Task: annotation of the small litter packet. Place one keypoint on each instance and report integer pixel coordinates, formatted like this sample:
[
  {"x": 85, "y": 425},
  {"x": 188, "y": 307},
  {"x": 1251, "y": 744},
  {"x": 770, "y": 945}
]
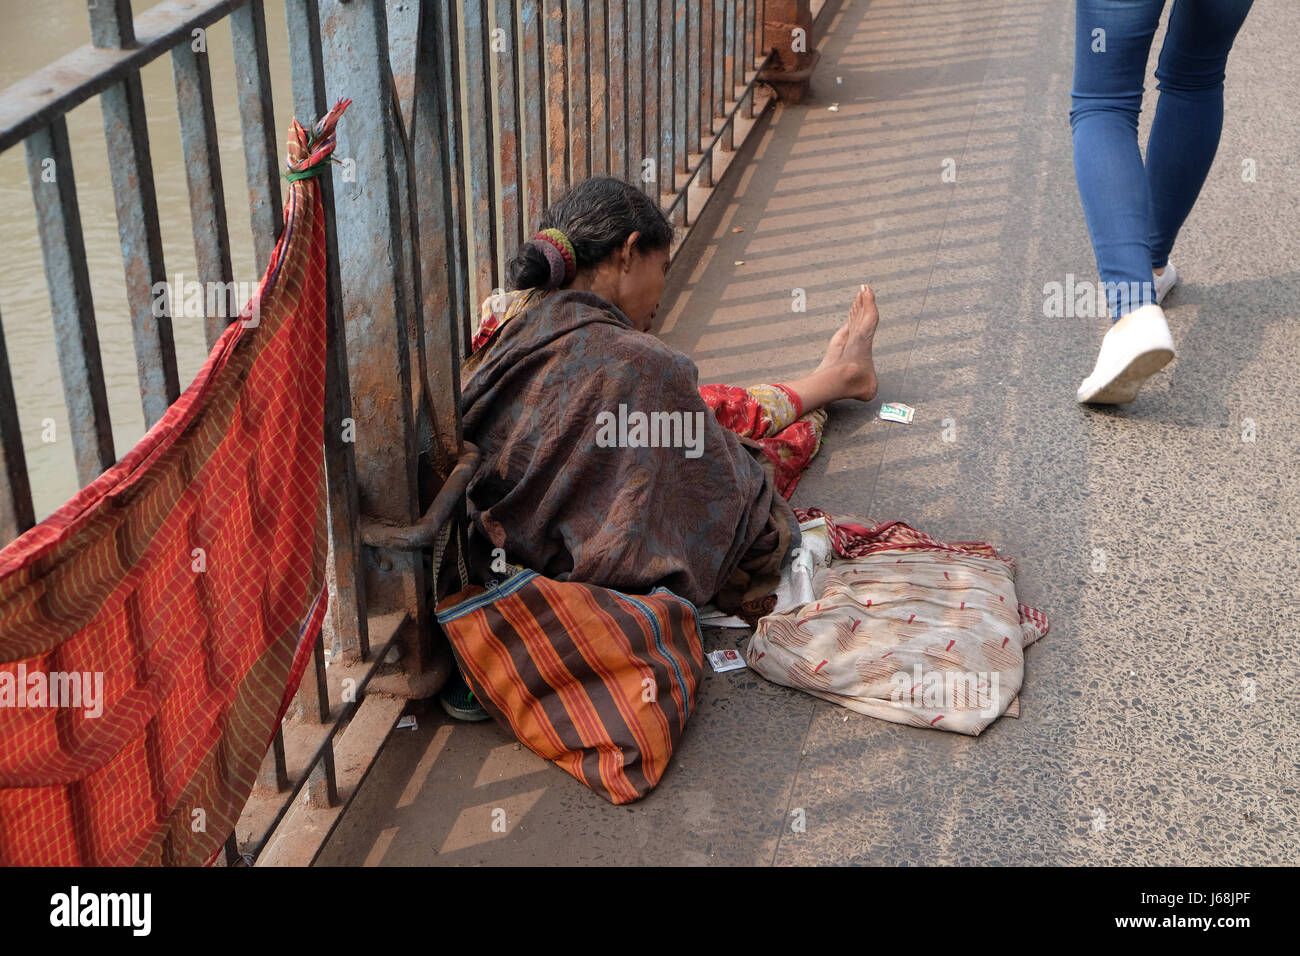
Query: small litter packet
[
  {"x": 897, "y": 412},
  {"x": 726, "y": 661},
  {"x": 408, "y": 721}
]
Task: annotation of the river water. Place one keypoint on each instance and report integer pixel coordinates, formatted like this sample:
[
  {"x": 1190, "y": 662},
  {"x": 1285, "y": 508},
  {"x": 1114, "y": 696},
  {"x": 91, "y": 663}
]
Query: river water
[{"x": 34, "y": 34}]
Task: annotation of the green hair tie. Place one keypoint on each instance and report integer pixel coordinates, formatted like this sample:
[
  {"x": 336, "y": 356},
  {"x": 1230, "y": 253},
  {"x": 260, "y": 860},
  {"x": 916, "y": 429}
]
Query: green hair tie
[{"x": 563, "y": 240}]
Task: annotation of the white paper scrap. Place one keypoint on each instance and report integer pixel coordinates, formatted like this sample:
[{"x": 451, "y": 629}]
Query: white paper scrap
[{"x": 728, "y": 660}]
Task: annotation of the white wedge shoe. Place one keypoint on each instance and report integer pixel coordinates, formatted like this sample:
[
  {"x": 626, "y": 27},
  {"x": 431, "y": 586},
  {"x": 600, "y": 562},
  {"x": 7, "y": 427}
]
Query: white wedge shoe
[{"x": 1135, "y": 348}]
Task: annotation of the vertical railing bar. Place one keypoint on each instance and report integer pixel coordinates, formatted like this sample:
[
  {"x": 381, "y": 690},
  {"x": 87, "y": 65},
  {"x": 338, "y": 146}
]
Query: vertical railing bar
[
  {"x": 533, "y": 83},
  {"x": 738, "y": 53},
  {"x": 405, "y": 221},
  {"x": 307, "y": 73},
  {"x": 681, "y": 145},
  {"x": 617, "y": 80},
  {"x": 459, "y": 205},
  {"x": 207, "y": 195},
  {"x": 384, "y": 349},
  {"x": 667, "y": 179},
  {"x": 558, "y": 144},
  {"x": 58, "y": 220},
  {"x": 281, "y": 764},
  {"x": 636, "y": 90},
  {"x": 432, "y": 184},
  {"x": 742, "y": 50},
  {"x": 736, "y": 44},
  {"x": 650, "y": 30},
  {"x": 706, "y": 68},
  {"x": 707, "y": 53},
  {"x": 348, "y": 604},
  {"x": 693, "y": 84},
  {"x": 742, "y": 46},
  {"x": 720, "y": 66},
  {"x": 725, "y": 96},
  {"x": 16, "y": 511},
  {"x": 331, "y": 779},
  {"x": 579, "y": 92},
  {"x": 728, "y": 70},
  {"x": 126, "y": 132},
  {"x": 111, "y": 24},
  {"x": 751, "y": 12},
  {"x": 379, "y": 298},
  {"x": 322, "y": 680},
  {"x": 634, "y": 87},
  {"x": 482, "y": 223},
  {"x": 257, "y": 118},
  {"x": 598, "y": 72},
  {"x": 507, "y": 72}
]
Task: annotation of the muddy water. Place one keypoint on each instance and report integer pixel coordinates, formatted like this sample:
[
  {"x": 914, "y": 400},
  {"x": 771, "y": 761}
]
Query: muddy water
[{"x": 33, "y": 34}]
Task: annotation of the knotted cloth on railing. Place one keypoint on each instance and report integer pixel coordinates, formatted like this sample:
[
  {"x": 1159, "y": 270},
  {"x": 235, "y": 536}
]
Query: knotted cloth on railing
[{"x": 154, "y": 629}]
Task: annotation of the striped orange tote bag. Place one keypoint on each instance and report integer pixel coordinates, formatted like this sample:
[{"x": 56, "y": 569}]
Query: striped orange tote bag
[{"x": 598, "y": 681}]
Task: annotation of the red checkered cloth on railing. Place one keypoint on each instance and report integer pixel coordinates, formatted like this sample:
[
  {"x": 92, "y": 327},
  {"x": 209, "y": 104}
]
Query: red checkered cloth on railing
[{"x": 189, "y": 580}]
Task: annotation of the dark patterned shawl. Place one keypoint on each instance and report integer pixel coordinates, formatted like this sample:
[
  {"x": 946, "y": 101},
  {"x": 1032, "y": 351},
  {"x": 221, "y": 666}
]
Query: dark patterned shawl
[{"x": 627, "y": 518}]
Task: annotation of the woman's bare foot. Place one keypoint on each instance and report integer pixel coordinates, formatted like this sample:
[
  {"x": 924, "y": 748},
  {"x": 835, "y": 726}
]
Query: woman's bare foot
[
  {"x": 836, "y": 348},
  {"x": 848, "y": 370},
  {"x": 860, "y": 334},
  {"x": 863, "y": 306}
]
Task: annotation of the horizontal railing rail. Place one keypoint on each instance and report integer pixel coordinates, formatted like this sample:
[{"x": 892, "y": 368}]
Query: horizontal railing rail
[{"x": 44, "y": 96}]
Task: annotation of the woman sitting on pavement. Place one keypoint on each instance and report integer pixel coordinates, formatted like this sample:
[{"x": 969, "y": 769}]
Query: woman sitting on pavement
[
  {"x": 604, "y": 462},
  {"x": 570, "y": 483}
]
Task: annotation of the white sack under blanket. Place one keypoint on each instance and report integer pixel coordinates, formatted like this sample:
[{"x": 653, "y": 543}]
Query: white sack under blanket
[{"x": 925, "y": 633}]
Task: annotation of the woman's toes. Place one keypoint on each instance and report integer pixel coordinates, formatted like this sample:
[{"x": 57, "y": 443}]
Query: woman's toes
[
  {"x": 852, "y": 341},
  {"x": 864, "y": 314}
]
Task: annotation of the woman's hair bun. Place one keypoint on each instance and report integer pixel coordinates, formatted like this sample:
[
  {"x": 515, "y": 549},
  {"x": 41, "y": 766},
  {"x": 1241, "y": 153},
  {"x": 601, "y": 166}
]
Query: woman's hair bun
[
  {"x": 596, "y": 216},
  {"x": 529, "y": 269}
]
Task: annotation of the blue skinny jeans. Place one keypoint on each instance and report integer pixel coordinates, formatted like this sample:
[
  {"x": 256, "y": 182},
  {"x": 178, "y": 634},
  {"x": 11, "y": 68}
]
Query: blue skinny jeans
[{"x": 1134, "y": 211}]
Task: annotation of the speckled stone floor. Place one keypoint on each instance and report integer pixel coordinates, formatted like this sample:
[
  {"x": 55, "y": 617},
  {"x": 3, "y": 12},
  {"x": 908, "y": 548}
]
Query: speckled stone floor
[{"x": 1160, "y": 718}]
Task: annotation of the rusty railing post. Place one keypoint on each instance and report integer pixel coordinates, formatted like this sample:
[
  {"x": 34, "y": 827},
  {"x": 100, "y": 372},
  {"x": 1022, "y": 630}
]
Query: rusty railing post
[
  {"x": 787, "y": 32},
  {"x": 377, "y": 305}
]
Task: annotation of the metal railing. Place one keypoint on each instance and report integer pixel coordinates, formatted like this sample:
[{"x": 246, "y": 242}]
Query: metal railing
[
  {"x": 642, "y": 90},
  {"x": 34, "y": 111},
  {"x": 469, "y": 117}
]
